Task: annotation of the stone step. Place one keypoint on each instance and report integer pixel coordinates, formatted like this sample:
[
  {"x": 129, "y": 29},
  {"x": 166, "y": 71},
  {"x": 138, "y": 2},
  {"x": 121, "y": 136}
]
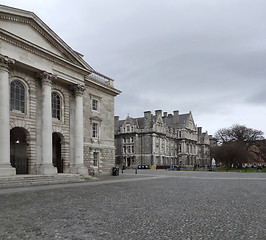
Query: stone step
[{"x": 34, "y": 180}]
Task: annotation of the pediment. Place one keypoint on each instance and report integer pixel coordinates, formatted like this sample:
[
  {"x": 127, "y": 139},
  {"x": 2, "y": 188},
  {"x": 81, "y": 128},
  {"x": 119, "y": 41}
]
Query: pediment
[
  {"x": 28, "y": 28},
  {"x": 128, "y": 120}
]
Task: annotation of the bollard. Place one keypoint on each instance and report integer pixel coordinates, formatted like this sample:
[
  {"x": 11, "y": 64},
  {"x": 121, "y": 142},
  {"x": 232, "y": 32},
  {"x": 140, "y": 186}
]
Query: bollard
[
  {"x": 136, "y": 171},
  {"x": 122, "y": 171}
]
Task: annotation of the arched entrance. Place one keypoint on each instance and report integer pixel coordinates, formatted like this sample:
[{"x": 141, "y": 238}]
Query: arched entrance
[
  {"x": 57, "y": 155},
  {"x": 18, "y": 150}
]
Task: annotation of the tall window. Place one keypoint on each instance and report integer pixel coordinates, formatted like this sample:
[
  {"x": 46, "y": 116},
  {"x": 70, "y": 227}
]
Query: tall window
[
  {"x": 132, "y": 149},
  {"x": 94, "y": 105},
  {"x": 56, "y": 106},
  {"x": 95, "y": 159},
  {"x": 17, "y": 96},
  {"x": 95, "y": 130}
]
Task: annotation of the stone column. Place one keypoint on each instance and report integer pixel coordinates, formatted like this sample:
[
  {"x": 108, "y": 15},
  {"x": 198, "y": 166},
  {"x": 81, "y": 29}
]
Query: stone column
[
  {"x": 46, "y": 166},
  {"x": 78, "y": 166},
  {"x": 5, "y": 167}
]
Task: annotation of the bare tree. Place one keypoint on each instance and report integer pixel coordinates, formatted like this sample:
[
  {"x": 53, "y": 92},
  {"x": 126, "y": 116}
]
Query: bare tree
[
  {"x": 234, "y": 143},
  {"x": 231, "y": 153},
  {"x": 238, "y": 133}
]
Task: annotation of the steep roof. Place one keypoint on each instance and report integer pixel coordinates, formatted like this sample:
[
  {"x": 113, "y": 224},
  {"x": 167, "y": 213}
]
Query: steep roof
[{"x": 169, "y": 120}]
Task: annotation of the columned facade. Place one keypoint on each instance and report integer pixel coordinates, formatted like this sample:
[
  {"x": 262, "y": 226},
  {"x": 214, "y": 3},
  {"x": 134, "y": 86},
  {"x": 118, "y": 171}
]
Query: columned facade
[
  {"x": 5, "y": 167},
  {"x": 50, "y": 129}
]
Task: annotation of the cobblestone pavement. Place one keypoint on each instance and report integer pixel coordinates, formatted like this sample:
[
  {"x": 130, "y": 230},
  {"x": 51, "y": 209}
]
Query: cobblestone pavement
[{"x": 148, "y": 205}]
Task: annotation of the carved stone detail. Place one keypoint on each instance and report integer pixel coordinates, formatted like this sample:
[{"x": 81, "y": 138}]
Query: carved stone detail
[
  {"x": 47, "y": 78},
  {"x": 5, "y": 61},
  {"x": 79, "y": 90}
]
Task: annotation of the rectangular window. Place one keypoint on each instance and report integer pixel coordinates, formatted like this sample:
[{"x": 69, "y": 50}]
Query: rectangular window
[
  {"x": 94, "y": 105},
  {"x": 95, "y": 130},
  {"x": 132, "y": 149},
  {"x": 128, "y": 149},
  {"x": 95, "y": 159}
]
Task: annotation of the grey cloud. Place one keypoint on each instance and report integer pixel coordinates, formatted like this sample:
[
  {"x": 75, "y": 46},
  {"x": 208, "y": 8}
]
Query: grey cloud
[{"x": 203, "y": 56}]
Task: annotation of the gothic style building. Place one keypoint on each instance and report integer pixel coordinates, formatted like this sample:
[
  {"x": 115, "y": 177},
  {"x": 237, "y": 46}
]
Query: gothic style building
[
  {"x": 56, "y": 111},
  {"x": 161, "y": 140}
]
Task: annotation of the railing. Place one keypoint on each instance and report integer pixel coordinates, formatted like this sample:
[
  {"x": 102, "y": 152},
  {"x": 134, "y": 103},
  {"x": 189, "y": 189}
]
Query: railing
[{"x": 101, "y": 78}]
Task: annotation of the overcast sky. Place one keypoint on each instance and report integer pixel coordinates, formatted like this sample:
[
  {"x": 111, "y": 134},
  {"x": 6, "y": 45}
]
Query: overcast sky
[{"x": 203, "y": 56}]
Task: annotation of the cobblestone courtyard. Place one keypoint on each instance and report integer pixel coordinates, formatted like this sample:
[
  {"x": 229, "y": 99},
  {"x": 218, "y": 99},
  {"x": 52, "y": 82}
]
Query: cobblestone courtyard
[{"x": 147, "y": 205}]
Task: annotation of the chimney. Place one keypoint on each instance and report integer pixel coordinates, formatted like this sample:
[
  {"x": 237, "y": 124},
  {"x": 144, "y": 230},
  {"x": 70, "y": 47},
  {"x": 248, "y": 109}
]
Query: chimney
[
  {"x": 158, "y": 113},
  {"x": 176, "y": 117},
  {"x": 199, "y": 131},
  {"x": 147, "y": 119}
]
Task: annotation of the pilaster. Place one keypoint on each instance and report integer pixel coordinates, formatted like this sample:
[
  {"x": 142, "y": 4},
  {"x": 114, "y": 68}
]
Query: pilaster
[
  {"x": 5, "y": 167},
  {"x": 46, "y": 166},
  {"x": 78, "y": 166}
]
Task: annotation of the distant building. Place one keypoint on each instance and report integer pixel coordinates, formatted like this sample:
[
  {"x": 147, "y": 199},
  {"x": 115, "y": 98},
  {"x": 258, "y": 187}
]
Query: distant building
[
  {"x": 56, "y": 111},
  {"x": 161, "y": 140}
]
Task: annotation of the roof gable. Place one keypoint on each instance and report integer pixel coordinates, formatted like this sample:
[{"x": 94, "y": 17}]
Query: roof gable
[{"x": 28, "y": 27}]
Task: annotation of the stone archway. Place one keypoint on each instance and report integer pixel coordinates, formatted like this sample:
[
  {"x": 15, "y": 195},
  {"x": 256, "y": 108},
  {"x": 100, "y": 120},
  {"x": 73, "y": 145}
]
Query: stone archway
[{"x": 18, "y": 150}]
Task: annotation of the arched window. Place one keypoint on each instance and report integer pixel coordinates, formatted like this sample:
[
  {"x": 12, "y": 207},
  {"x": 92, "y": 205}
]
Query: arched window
[
  {"x": 17, "y": 96},
  {"x": 56, "y": 106}
]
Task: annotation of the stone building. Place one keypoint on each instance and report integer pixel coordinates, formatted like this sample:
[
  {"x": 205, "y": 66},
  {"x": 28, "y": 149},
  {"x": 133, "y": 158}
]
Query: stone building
[
  {"x": 56, "y": 111},
  {"x": 161, "y": 140}
]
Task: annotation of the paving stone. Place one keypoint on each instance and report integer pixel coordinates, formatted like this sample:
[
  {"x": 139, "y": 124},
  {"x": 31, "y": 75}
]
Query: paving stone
[{"x": 148, "y": 205}]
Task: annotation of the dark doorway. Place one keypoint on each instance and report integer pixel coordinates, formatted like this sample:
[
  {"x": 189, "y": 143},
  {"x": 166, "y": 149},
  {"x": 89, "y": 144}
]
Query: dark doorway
[
  {"x": 128, "y": 162},
  {"x": 57, "y": 159},
  {"x": 18, "y": 150}
]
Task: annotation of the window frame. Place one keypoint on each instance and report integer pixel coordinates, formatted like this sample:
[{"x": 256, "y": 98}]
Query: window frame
[
  {"x": 58, "y": 111},
  {"x": 96, "y": 159},
  {"x": 20, "y": 109},
  {"x": 95, "y": 105},
  {"x": 95, "y": 132}
]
